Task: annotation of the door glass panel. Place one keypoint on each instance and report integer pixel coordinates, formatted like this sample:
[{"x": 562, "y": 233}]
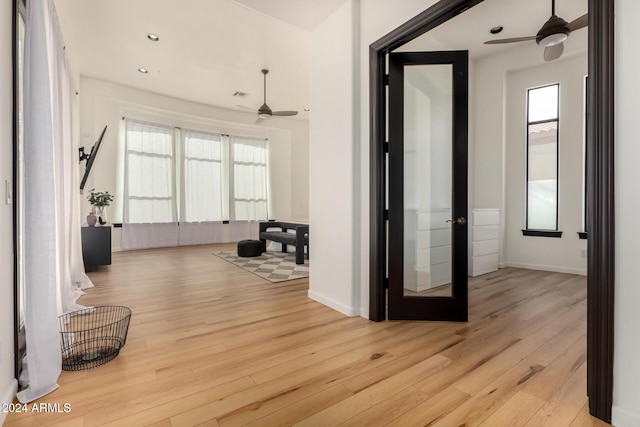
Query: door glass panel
[{"x": 428, "y": 118}]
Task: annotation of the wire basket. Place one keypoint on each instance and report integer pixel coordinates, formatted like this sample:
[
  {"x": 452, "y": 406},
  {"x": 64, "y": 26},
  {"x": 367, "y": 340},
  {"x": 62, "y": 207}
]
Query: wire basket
[{"x": 93, "y": 336}]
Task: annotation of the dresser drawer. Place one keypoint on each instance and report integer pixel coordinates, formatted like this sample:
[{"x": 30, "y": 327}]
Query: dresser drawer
[
  {"x": 484, "y": 247},
  {"x": 484, "y": 264},
  {"x": 485, "y": 217},
  {"x": 485, "y": 232}
]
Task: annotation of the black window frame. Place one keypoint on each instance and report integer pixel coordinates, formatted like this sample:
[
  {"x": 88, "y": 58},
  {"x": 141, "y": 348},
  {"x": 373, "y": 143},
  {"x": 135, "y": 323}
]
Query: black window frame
[
  {"x": 582, "y": 235},
  {"x": 555, "y": 232},
  {"x": 19, "y": 338}
]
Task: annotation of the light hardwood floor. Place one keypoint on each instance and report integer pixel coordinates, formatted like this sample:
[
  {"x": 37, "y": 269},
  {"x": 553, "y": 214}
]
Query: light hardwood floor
[{"x": 212, "y": 345}]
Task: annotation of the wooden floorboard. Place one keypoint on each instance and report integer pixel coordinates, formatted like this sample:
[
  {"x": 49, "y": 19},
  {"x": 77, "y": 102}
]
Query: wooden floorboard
[{"x": 213, "y": 345}]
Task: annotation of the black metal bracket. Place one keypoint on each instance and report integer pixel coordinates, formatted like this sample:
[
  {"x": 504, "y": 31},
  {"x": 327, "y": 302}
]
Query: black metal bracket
[{"x": 83, "y": 155}]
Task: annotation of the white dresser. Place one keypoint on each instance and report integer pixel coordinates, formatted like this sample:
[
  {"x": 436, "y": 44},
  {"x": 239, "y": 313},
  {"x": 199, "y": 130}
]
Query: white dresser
[{"x": 485, "y": 241}]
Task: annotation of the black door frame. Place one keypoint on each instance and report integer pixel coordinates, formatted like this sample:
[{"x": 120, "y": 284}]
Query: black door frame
[
  {"x": 600, "y": 182},
  {"x": 455, "y": 307}
]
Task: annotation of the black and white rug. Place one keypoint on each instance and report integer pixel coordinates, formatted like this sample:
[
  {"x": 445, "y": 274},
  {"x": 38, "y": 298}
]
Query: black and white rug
[{"x": 273, "y": 266}]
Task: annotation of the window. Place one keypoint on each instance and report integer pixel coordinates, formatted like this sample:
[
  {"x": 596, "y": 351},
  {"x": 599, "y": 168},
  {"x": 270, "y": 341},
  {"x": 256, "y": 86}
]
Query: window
[
  {"x": 19, "y": 172},
  {"x": 149, "y": 174},
  {"x": 249, "y": 172},
  {"x": 542, "y": 158},
  {"x": 220, "y": 177},
  {"x": 583, "y": 234},
  {"x": 202, "y": 177}
]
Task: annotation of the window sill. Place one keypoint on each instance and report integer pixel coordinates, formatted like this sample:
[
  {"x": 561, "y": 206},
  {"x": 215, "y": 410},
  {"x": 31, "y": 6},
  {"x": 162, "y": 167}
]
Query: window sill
[
  {"x": 542, "y": 233},
  {"x": 582, "y": 235}
]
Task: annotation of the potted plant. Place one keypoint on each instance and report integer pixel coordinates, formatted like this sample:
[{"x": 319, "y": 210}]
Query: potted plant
[{"x": 99, "y": 201}]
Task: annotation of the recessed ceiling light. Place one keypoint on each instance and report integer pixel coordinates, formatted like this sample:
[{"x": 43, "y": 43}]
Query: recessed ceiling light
[
  {"x": 153, "y": 37},
  {"x": 307, "y": 109},
  {"x": 496, "y": 30},
  {"x": 143, "y": 70},
  {"x": 240, "y": 94}
]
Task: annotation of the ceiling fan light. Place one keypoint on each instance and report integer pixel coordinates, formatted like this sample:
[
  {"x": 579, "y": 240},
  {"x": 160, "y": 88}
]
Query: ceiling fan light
[
  {"x": 264, "y": 115},
  {"x": 553, "y": 32},
  {"x": 553, "y": 39}
]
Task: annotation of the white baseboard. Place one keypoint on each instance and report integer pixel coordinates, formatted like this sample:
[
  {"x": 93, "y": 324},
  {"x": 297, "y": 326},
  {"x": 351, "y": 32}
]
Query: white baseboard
[
  {"x": 8, "y": 396},
  {"x": 502, "y": 265},
  {"x": 623, "y": 418},
  {"x": 364, "y": 312},
  {"x": 347, "y": 311},
  {"x": 554, "y": 268}
]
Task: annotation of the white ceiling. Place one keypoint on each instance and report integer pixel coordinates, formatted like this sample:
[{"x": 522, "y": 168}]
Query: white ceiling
[
  {"x": 209, "y": 49},
  {"x": 519, "y": 18},
  {"x": 306, "y": 14}
]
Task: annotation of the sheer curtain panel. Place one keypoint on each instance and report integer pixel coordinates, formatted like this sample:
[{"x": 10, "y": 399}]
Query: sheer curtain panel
[
  {"x": 248, "y": 186},
  {"x": 202, "y": 188},
  {"x": 202, "y": 177},
  {"x": 241, "y": 230},
  {"x": 54, "y": 272},
  {"x": 150, "y": 209}
]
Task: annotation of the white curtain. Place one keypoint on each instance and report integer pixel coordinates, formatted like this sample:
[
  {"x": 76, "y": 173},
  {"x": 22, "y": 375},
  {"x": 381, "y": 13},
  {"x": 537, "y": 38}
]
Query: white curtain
[
  {"x": 143, "y": 236},
  {"x": 54, "y": 273},
  {"x": 248, "y": 186},
  {"x": 202, "y": 181},
  {"x": 213, "y": 178},
  {"x": 202, "y": 188},
  {"x": 150, "y": 195},
  {"x": 150, "y": 208},
  {"x": 241, "y": 230},
  {"x": 200, "y": 233}
]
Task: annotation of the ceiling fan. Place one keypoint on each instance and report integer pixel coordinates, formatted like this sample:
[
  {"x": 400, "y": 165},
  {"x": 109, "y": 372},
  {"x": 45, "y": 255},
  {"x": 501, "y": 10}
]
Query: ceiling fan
[
  {"x": 265, "y": 112},
  {"x": 552, "y": 34}
]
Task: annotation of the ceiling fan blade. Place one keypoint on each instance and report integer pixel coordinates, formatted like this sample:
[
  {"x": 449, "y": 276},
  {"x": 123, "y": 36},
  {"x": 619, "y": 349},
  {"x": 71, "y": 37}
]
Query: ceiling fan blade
[
  {"x": 511, "y": 40},
  {"x": 259, "y": 120},
  {"x": 578, "y": 23},
  {"x": 553, "y": 52},
  {"x": 284, "y": 113}
]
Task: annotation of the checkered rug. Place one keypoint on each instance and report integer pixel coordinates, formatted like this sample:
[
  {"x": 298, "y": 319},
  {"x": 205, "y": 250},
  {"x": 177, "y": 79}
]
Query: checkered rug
[{"x": 273, "y": 266}]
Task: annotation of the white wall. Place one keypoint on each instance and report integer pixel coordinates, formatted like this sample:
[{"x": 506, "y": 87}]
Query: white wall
[
  {"x": 498, "y": 154},
  {"x": 626, "y": 393},
  {"x": 377, "y": 18},
  {"x": 299, "y": 162},
  {"x": 105, "y": 103},
  {"x": 8, "y": 384},
  {"x": 332, "y": 178},
  {"x": 544, "y": 253}
]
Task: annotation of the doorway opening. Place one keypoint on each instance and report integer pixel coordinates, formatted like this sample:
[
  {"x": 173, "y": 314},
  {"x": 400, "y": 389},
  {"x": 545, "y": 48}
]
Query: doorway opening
[{"x": 600, "y": 253}]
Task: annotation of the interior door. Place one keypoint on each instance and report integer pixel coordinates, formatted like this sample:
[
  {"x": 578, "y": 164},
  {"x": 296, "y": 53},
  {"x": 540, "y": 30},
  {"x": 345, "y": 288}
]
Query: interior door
[{"x": 427, "y": 188}]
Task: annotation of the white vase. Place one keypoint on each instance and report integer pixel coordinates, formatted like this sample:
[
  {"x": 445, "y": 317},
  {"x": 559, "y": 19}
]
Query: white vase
[{"x": 102, "y": 214}]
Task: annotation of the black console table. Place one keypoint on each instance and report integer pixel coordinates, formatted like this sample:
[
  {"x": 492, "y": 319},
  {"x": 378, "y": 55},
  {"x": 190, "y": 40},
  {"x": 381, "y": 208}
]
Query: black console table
[{"x": 96, "y": 246}]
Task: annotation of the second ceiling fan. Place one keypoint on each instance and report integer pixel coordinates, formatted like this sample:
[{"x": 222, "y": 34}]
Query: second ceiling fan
[
  {"x": 552, "y": 34},
  {"x": 265, "y": 112}
]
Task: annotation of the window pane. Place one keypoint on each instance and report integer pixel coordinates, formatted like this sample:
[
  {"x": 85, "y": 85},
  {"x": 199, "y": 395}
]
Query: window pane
[
  {"x": 542, "y": 186},
  {"x": 249, "y": 176},
  {"x": 150, "y": 176},
  {"x": 150, "y": 211},
  {"x": 150, "y": 193},
  {"x": 202, "y": 177},
  {"x": 543, "y": 103}
]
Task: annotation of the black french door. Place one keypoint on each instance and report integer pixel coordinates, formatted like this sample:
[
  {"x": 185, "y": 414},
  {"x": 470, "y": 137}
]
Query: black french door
[{"x": 427, "y": 187}]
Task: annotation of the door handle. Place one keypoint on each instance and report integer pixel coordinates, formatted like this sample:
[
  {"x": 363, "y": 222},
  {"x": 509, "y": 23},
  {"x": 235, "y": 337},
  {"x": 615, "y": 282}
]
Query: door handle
[{"x": 460, "y": 220}]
